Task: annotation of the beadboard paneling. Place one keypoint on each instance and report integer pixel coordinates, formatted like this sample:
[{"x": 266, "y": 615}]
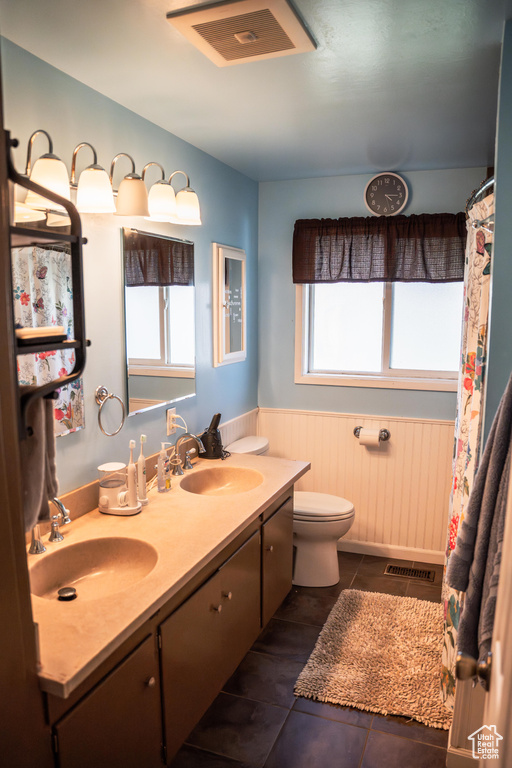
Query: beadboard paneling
[
  {"x": 241, "y": 426},
  {"x": 400, "y": 490}
]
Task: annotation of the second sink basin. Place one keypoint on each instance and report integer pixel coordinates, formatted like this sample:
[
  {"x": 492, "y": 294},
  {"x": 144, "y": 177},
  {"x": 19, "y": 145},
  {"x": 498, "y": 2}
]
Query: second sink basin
[
  {"x": 95, "y": 568},
  {"x": 221, "y": 481}
]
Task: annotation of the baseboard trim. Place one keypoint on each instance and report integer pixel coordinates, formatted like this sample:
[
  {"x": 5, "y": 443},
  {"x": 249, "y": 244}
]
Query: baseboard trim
[
  {"x": 392, "y": 550},
  {"x": 460, "y": 758}
]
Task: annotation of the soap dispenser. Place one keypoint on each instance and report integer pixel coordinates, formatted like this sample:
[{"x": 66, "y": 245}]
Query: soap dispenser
[{"x": 163, "y": 470}]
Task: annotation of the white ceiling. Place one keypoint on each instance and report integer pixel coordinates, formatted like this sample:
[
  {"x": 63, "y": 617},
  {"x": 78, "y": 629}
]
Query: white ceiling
[{"x": 393, "y": 84}]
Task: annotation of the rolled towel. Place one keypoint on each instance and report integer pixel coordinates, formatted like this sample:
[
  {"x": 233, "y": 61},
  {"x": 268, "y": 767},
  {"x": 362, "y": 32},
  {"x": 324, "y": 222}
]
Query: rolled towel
[{"x": 39, "y": 470}]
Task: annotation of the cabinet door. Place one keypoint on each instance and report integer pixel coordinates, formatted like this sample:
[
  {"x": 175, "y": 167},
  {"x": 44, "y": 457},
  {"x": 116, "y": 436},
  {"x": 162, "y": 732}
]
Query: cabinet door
[
  {"x": 119, "y": 723},
  {"x": 277, "y": 559},
  {"x": 203, "y": 641}
]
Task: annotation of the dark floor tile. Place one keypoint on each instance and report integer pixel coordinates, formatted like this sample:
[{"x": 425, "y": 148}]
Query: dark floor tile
[
  {"x": 265, "y": 678},
  {"x": 289, "y": 639},
  {"x": 439, "y": 570},
  {"x": 385, "y": 584},
  {"x": 239, "y": 728},
  {"x": 192, "y": 757},
  {"x": 384, "y": 750},
  {"x": 334, "y": 712},
  {"x": 424, "y": 591},
  {"x": 410, "y": 729},
  {"x": 375, "y": 566},
  {"x": 334, "y": 590},
  {"x": 312, "y": 742},
  {"x": 306, "y": 608},
  {"x": 349, "y": 561}
]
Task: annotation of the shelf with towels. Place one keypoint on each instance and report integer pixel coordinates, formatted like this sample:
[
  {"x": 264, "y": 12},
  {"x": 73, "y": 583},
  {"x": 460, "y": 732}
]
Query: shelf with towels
[{"x": 33, "y": 236}]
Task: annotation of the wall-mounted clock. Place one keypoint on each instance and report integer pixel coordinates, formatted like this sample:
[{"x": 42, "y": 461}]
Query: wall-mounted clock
[{"x": 386, "y": 194}]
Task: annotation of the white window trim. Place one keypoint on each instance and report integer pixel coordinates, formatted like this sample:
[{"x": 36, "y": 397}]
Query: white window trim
[
  {"x": 384, "y": 381},
  {"x": 176, "y": 372}
]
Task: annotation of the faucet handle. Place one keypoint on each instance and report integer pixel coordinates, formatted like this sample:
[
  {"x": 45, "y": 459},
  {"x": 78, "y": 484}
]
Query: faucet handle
[
  {"x": 188, "y": 463},
  {"x": 55, "y": 534}
]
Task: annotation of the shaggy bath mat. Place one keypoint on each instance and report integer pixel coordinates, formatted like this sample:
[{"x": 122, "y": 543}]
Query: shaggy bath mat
[{"x": 379, "y": 653}]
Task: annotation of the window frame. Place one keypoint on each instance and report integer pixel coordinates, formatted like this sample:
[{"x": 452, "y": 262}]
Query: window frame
[
  {"x": 151, "y": 366},
  {"x": 443, "y": 381}
]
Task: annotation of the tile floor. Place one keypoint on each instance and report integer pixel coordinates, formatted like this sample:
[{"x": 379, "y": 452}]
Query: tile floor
[{"x": 257, "y": 722}]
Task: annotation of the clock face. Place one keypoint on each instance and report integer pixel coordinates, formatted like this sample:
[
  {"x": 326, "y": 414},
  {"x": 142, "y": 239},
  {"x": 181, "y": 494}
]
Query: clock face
[{"x": 386, "y": 194}]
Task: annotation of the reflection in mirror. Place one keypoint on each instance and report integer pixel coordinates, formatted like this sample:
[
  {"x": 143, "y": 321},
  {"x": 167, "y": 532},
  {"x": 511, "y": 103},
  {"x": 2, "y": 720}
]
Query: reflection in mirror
[
  {"x": 229, "y": 305},
  {"x": 42, "y": 297},
  {"x": 159, "y": 319}
]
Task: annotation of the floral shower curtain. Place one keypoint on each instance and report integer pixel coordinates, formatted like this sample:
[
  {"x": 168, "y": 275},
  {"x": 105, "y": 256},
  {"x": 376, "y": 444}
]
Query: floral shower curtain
[
  {"x": 469, "y": 417},
  {"x": 43, "y": 296}
]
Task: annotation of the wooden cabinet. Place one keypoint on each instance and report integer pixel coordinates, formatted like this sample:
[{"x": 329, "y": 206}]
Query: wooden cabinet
[
  {"x": 205, "y": 639},
  {"x": 118, "y": 723},
  {"x": 277, "y": 559}
]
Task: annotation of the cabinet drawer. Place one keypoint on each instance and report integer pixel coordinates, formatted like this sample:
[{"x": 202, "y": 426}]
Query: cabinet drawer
[
  {"x": 277, "y": 559},
  {"x": 118, "y": 724},
  {"x": 205, "y": 639}
]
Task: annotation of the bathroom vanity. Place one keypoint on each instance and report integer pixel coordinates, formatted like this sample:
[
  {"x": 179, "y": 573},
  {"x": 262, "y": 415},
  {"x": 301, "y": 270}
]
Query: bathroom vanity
[{"x": 129, "y": 668}]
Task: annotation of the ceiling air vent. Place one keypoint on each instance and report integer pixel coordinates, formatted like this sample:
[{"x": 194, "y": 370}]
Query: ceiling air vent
[{"x": 243, "y": 30}]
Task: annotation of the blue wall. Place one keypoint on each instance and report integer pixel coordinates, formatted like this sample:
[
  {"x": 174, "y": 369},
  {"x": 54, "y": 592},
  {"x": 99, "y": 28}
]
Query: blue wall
[
  {"x": 500, "y": 327},
  {"x": 281, "y": 203},
  {"x": 37, "y": 95}
]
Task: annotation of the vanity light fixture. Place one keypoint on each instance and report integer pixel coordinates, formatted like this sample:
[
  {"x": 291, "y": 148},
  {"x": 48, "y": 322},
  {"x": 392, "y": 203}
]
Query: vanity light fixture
[
  {"x": 48, "y": 171},
  {"x": 161, "y": 198},
  {"x": 94, "y": 190},
  {"x": 132, "y": 196},
  {"x": 24, "y": 213},
  {"x": 187, "y": 203}
]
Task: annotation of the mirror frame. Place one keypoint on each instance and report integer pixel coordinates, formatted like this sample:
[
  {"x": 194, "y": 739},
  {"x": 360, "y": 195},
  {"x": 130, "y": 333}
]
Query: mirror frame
[{"x": 220, "y": 254}]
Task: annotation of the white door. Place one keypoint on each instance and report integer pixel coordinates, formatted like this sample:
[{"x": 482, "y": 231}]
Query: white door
[{"x": 498, "y": 705}]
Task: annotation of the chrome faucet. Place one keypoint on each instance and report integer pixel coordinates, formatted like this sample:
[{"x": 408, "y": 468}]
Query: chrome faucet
[
  {"x": 55, "y": 534},
  {"x": 186, "y": 436}
]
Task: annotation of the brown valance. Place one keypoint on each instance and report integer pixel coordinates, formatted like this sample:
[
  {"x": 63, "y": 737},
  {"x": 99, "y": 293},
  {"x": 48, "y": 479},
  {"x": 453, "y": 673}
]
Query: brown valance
[
  {"x": 155, "y": 260},
  {"x": 426, "y": 248}
]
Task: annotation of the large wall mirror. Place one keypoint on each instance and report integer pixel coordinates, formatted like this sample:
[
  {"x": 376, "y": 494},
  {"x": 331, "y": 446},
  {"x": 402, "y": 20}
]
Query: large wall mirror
[{"x": 159, "y": 298}]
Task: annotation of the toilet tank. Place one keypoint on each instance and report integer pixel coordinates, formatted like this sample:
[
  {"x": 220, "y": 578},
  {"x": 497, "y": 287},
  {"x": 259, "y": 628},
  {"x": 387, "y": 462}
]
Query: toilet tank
[{"x": 251, "y": 444}]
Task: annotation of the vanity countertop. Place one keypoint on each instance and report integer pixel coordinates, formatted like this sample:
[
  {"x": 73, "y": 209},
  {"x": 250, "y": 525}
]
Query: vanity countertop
[{"x": 187, "y": 530}]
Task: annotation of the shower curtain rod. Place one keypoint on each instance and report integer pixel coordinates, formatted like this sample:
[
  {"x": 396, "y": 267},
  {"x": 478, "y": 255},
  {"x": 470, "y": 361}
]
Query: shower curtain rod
[{"x": 476, "y": 194}]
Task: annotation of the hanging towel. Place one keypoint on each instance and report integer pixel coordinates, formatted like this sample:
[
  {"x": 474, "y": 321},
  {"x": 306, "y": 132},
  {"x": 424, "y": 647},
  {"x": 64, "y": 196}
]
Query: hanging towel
[
  {"x": 39, "y": 470},
  {"x": 474, "y": 565}
]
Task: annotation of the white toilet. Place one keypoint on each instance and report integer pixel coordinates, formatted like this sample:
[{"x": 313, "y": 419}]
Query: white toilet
[{"x": 319, "y": 520}]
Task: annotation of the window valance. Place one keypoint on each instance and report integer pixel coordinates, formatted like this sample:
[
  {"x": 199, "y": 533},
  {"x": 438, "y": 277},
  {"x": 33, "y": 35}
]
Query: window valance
[
  {"x": 418, "y": 248},
  {"x": 155, "y": 260}
]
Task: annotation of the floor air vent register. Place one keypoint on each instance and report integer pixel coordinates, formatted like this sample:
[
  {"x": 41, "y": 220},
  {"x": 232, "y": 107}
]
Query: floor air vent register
[
  {"x": 244, "y": 30},
  {"x": 409, "y": 573}
]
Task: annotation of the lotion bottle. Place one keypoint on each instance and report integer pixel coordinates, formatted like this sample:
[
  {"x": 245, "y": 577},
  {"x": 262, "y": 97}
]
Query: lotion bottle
[
  {"x": 162, "y": 469},
  {"x": 141, "y": 474}
]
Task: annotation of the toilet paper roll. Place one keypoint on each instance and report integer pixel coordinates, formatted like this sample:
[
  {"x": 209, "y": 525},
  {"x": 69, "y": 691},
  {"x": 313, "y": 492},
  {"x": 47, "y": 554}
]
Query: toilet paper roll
[{"x": 369, "y": 437}]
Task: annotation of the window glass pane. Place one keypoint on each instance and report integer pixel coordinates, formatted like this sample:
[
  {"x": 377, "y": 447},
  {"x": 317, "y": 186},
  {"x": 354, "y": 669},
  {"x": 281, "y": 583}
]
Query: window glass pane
[
  {"x": 346, "y": 327},
  {"x": 426, "y": 326},
  {"x": 181, "y": 324},
  {"x": 143, "y": 322}
]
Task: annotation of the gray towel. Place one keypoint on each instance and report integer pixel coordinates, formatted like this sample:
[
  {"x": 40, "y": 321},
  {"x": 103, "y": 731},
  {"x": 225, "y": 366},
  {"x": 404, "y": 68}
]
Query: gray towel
[
  {"x": 474, "y": 565},
  {"x": 37, "y": 453}
]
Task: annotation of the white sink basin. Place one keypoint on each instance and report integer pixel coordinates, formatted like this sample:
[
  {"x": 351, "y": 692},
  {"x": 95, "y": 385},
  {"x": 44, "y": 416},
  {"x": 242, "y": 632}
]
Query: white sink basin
[
  {"x": 95, "y": 568},
  {"x": 222, "y": 481}
]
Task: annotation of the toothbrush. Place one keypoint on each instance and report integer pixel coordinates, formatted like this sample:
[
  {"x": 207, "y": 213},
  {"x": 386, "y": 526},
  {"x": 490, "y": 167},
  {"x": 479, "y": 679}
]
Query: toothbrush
[
  {"x": 132, "y": 479},
  {"x": 141, "y": 474}
]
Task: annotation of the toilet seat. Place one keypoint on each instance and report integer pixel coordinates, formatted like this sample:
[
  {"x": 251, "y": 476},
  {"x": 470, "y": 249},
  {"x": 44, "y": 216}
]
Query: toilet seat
[
  {"x": 320, "y": 507},
  {"x": 251, "y": 444}
]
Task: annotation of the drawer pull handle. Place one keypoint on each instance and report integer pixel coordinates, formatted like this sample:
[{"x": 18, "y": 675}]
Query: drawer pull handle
[
  {"x": 227, "y": 595},
  {"x": 217, "y": 608},
  {"x": 271, "y": 548},
  {"x": 151, "y": 682}
]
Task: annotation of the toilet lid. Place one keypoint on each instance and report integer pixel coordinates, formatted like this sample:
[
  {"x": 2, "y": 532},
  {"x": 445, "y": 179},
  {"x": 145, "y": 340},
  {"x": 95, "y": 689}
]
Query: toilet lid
[
  {"x": 249, "y": 444},
  {"x": 308, "y": 505}
]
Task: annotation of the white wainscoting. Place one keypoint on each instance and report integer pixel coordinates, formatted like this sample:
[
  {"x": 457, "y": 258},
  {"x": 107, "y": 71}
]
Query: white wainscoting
[
  {"x": 400, "y": 490},
  {"x": 241, "y": 426}
]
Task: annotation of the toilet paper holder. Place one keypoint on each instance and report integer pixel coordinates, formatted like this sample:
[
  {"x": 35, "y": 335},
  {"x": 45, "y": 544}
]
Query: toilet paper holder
[{"x": 384, "y": 434}]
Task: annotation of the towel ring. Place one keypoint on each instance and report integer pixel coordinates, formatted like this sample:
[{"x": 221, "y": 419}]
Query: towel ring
[{"x": 102, "y": 395}]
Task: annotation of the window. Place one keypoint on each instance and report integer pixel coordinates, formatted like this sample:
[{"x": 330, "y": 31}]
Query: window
[
  {"x": 160, "y": 330},
  {"x": 401, "y": 335}
]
